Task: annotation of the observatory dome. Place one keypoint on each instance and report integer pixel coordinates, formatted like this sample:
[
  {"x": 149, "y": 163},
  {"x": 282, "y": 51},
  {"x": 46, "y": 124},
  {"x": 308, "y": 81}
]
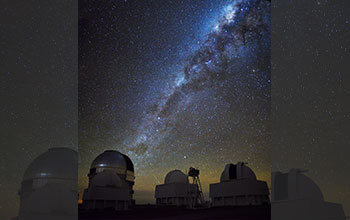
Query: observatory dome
[
  {"x": 113, "y": 159},
  {"x": 237, "y": 171},
  {"x": 106, "y": 179},
  {"x": 176, "y": 176},
  {"x": 111, "y": 180},
  {"x": 295, "y": 185},
  {"x": 308, "y": 189},
  {"x": 49, "y": 186},
  {"x": 50, "y": 165}
]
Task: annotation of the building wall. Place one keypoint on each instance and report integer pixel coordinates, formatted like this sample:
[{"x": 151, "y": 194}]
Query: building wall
[
  {"x": 176, "y": 201},
  {"x": 239, "y": 192},
  {"x": 104, "y": 197},
  {"x": 118, "y": 197},
  {"x": 240, "y": 200},
  {"x": 177, "y": 194},
  {"x": 303, "y": 209}
]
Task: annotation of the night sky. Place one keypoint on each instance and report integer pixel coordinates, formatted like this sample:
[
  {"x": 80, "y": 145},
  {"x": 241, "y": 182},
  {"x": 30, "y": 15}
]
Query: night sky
[
  {"x": 310, "y": 93},
  {"x": 174, "y": 84},
  {"x": 38, "y": 87}
]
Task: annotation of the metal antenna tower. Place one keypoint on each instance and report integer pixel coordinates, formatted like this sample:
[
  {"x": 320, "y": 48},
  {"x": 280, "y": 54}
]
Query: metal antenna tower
[{"x": 196, "y": 196}]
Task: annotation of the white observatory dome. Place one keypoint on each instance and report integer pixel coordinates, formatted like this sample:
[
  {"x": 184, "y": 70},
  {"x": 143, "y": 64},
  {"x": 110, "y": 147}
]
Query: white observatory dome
[
  {"x": 50, "y": 165},
  {"x": 49, "y": 186},
  {"x": 308, "y": 189},
  {"x": 237, "y": 171},
  {"x": 176, "y": 176},
  {"x": 113, "y": 159},
  {"x": 111, "y": 180},
  {"x": 295, "y": 185},
  {"x": 109, "y": 158},
  {"x": 106, "y": 179},
  {"x": 296, "y": 196}
]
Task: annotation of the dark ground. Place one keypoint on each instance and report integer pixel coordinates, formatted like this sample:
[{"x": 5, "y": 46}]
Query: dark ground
[{"x": 154, "y": 212}]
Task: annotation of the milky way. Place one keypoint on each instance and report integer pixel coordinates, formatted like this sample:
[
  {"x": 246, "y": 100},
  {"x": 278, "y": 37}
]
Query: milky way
[{"x": 191, "y": 89}]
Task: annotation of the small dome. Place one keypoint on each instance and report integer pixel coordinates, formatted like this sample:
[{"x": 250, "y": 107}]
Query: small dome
[
  {"x": 113, "y": 159},
  {"x": 176, "y": 176},
  {"x": 106, "y": 179},
  {"x": 61, "y": 163},
  {"x": 237, "y": 171},
  {"x": 308, "y": 189},
  {"x": 295, "y": 185},
  {"x": 129, "y": 164}
]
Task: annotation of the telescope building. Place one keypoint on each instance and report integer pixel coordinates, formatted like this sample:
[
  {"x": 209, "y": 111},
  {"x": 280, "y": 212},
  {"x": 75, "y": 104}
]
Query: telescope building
[
  {"x": 177, "y": 191},
  {"x": 111, "y": 180},
  {"x": 296, "y": 196},
  {"x": 238, "y": 187},
  {"x": 49, "y": 186}
]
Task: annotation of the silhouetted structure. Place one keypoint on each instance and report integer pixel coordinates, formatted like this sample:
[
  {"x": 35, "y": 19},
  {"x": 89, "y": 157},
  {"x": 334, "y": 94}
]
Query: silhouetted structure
[
  {"x": 111, "y": 181},
  {"x": 178, "y": 198},
  {"x": 177, "y": 191},
  {"x": 197, "y": 195},
  {"x": 238, "y": 187},
  {"x": 295, "y": 196},
  {"x": 49, "y": 187}
]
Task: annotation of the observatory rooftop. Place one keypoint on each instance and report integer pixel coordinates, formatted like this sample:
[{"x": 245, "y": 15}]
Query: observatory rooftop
[
  {"x": 237, "y": 171},
  {"x": 51, "y": 165},
  {"x": 113, "y": 159},
  {"x": 176, "y": 176}
]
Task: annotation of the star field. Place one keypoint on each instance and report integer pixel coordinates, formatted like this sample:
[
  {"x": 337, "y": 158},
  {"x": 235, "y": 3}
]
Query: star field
[
  {"x": 174, "y": 85},
  {"x": 38, "y": 88},
  {"x": 310, "y": 93}
]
